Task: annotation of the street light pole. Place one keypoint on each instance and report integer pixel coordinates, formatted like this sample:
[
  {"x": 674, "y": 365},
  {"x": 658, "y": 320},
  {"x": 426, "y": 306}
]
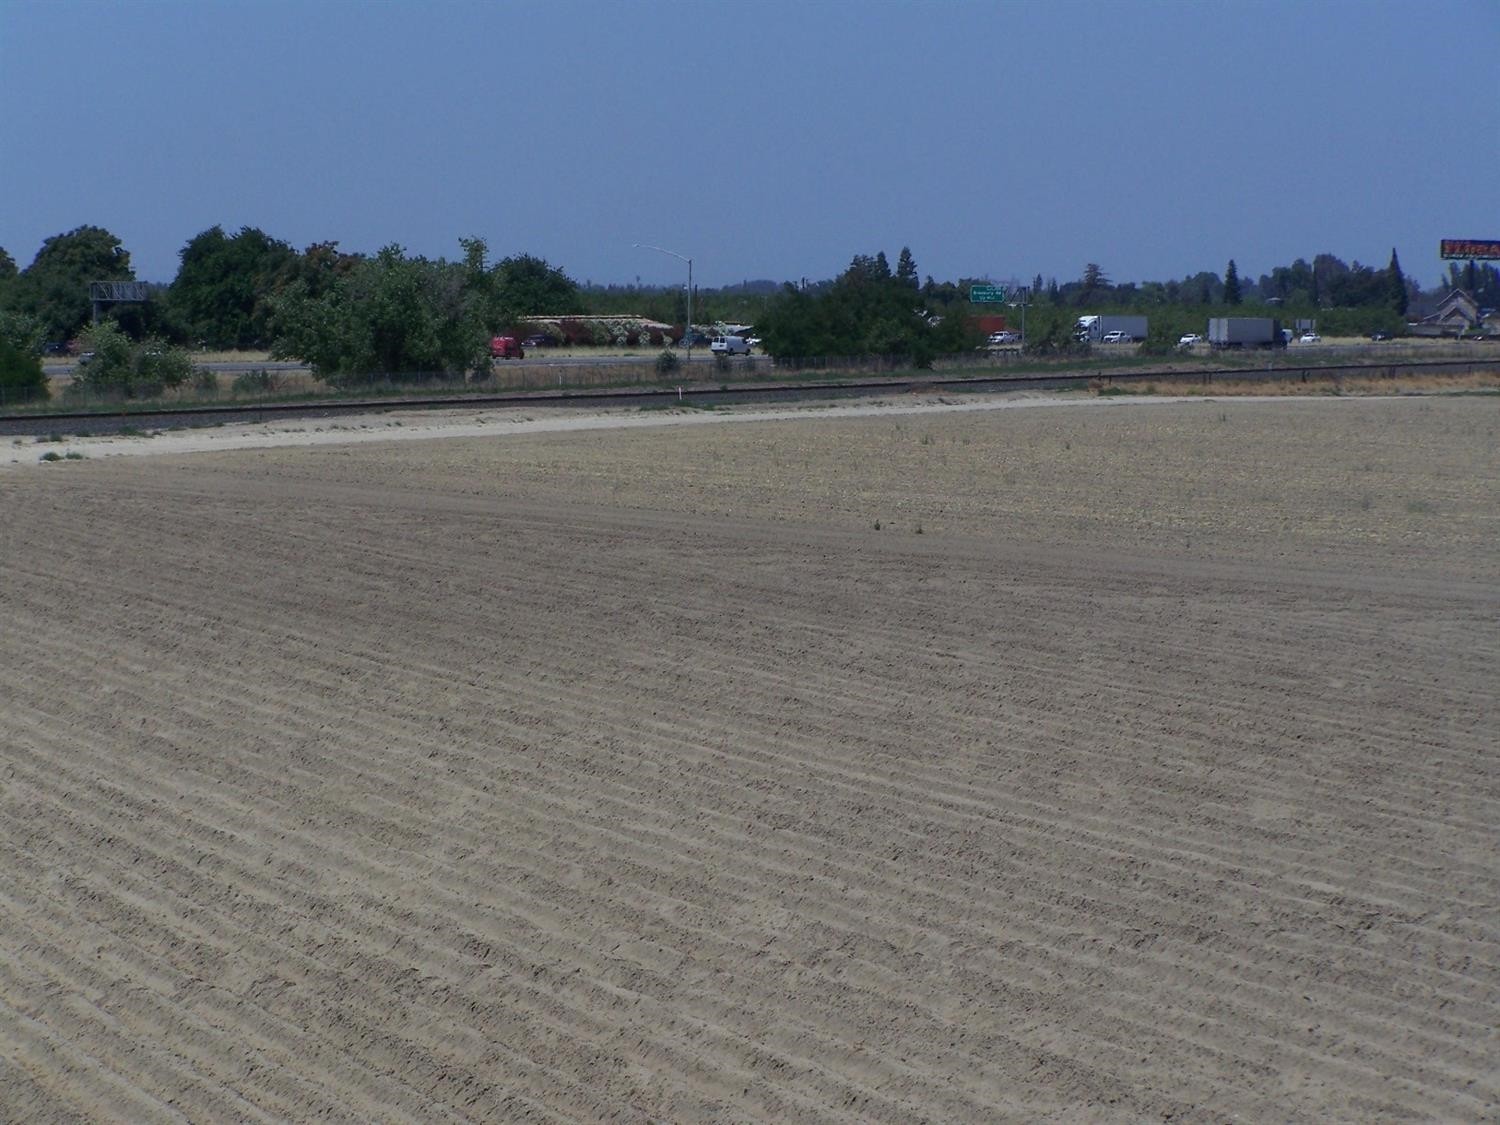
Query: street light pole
[
  {"x": 1023, "y": 298},
  {"x": 689, "y": 261}
]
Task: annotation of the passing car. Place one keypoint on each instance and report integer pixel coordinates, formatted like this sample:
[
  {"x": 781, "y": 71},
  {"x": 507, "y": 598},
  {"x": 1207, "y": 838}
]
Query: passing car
[
  {"x": 506, "y": 347},
  {"x": 1189, "y": 340},
  {"x": 693, "y": 340},
  {"x": 1117, "y": 337},
  {"x": 540, "y": 340},
  {"x": 1309, "y": 338},
  {"x": 1380, "y": 334},
  {"x": 1006, "y": 337}
]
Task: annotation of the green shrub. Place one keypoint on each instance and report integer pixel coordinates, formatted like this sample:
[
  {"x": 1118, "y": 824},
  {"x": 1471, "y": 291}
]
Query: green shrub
[
  {"x": 257, "y": 382},
  {"x": 667, "y": 362},
  {"x": 114, "y": 366},
  {"x": 21, "y": 375}
]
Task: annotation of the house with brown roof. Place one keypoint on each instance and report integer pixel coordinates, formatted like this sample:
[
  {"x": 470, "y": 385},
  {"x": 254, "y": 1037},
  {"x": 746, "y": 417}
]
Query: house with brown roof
[{"x": 1456, "y": 315}]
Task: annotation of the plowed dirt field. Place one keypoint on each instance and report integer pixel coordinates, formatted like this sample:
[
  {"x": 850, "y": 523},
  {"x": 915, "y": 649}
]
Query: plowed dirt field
[{"x": 1127, "y": 762}]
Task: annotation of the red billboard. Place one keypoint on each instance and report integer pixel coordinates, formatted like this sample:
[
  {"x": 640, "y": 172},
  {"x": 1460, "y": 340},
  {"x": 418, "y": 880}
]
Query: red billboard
[{"x": 1471, "y": 247}]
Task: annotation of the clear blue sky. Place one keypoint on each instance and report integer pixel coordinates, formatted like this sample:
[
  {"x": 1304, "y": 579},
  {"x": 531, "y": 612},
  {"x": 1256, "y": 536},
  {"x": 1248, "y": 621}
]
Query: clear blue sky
[{"x": 766, "y": 139}]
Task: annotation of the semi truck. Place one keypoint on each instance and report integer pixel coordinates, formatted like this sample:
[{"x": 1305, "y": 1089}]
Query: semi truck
[
  {"x": 1245, "y": 332},
  {"x": 1096, "y": 328}
]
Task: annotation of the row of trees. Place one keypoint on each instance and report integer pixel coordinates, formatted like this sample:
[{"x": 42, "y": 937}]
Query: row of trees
[
  {"x": 229, "y": 287},
  {"x": 400, "y": 315},
  {"x": 351, "y": 314},
  {"x": 1325, "y": 282}
]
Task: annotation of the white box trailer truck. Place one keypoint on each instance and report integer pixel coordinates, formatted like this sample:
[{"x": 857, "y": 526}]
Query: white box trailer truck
[
  {"x": 1245, "y": 332},
  {"x": 1096, "y": 328}
]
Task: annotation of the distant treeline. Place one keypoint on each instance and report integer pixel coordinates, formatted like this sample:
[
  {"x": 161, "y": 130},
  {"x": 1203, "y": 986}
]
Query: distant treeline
[{"x": 345, "y": 313}]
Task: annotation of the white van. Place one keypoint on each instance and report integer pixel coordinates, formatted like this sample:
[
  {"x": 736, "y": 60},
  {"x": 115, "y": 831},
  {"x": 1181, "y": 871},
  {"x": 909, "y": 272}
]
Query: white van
[{"x": 729, "y": 345}]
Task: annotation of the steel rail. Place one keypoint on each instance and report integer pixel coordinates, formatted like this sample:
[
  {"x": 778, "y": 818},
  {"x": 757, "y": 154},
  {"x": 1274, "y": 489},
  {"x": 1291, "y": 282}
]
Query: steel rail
[{"x": 131, "y": 415}]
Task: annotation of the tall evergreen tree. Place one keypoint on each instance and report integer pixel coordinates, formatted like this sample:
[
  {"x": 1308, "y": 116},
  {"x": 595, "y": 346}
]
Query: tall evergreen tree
[
  {"x": 1396, "y": 281},
  {"x": 906, "y": 268},
  {"x": 1091, "y": 286},
  {"x": 1231, "y": 284}
]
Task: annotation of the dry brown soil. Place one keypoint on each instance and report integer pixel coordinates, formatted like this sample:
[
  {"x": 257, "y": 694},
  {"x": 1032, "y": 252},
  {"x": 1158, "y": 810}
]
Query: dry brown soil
[{"x": 634, "y": 774}]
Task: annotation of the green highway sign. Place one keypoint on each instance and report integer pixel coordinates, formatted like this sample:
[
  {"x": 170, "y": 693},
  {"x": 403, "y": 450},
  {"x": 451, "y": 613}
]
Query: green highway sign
[{"x": 987, "y": 294}]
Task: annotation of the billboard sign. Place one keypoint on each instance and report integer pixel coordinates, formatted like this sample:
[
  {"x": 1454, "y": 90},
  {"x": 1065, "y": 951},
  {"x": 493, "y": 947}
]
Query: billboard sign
[{"x": 1470, "y": 248}]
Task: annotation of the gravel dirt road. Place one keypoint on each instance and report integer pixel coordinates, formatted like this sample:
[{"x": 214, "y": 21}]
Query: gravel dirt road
[{"x": 1142, "y": 762}]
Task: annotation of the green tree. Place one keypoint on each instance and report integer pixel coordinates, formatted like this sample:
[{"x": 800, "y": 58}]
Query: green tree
[
  {"x": 1231, "y": 284},
  {"x": 22, "y": 330},
  {"x": 8, "y": 282},
  {"x": 1049, "y": 332},
  {"x": 389, "y": 315},
  {"x": 1092, "y": 287},
  {"x": 221, "y": 296},
  {"x": 1396, "y": 285},
  {"x": 322, "y": 264},
  {"x": 55, "y": 287},
  {"x": 906, "y": 268},
  {"x": 527, "y": 286},
  {"x": 866, "y": 311}
]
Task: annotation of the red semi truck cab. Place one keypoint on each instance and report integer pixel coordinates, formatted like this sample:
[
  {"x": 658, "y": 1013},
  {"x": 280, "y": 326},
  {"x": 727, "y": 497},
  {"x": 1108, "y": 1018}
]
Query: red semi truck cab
[{"x": 506, "y": 347}]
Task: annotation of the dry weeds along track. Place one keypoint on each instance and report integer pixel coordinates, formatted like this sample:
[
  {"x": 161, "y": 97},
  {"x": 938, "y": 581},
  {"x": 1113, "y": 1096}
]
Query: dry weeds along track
[
  {"x": 376, "y": 787},
  {"x": 147, "y": 415}
]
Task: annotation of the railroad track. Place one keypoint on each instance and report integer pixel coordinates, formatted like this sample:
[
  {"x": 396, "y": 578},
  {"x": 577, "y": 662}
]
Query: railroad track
[{"x": 144, "y": 416}]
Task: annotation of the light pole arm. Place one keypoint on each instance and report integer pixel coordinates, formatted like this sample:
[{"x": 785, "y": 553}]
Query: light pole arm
[{"x": 689, "y": 261}]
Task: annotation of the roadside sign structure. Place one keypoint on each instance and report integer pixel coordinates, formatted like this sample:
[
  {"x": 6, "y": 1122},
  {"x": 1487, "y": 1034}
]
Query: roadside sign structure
[
  {"x": 987, "y": 294},
  {"x": 115, "y": 292}
]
